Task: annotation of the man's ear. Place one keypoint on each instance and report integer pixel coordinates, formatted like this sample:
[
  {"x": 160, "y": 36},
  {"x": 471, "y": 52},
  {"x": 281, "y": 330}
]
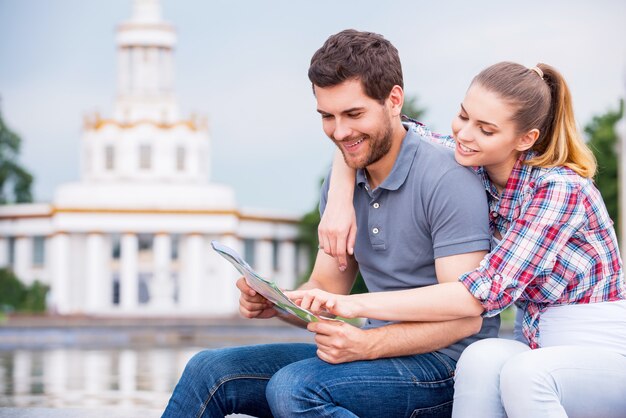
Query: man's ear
[
  {"x": 526, "y": 141},
  {"x": 396, "y": 100}
]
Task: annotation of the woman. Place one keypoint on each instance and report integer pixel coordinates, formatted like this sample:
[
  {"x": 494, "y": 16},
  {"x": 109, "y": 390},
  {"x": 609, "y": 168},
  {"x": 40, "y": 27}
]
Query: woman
[{"x": 554, "y": 255}]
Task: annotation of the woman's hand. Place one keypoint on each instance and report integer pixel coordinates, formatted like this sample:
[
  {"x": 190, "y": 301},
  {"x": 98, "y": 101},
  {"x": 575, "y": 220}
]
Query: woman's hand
[
  {"x": 319, "y": 301},
  {"x": 337, "y": 231}
]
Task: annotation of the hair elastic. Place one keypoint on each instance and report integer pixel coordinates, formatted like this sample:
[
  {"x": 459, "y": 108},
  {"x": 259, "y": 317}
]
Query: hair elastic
[{"x": 538, "y": 71}]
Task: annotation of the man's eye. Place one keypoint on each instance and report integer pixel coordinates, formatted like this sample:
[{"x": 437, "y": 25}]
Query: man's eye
[
  {"x": 326, "y": 116},
  {"x": 354, "y": 115}
]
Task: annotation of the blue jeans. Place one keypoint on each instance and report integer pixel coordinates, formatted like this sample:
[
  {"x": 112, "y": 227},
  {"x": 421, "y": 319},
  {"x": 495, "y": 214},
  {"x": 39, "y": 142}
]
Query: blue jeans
[{"x": 287, "y": 380}]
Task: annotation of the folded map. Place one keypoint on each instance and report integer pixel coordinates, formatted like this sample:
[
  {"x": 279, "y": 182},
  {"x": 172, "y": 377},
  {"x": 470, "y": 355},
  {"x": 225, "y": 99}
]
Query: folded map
[{"x": 264, "y": 287}]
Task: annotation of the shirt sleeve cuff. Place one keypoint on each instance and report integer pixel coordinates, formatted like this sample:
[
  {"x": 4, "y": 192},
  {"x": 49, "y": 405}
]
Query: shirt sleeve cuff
[
  {"x": 468, "y": 245},
  {"x": 481, "y": 288}
]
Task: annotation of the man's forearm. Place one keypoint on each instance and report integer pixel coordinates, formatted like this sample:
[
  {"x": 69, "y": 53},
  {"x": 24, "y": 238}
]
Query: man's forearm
[{"x": 409, "y": 338}]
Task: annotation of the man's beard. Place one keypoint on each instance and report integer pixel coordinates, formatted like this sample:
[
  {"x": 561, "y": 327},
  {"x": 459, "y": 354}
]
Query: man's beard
[{"x": 379, "y": 147}]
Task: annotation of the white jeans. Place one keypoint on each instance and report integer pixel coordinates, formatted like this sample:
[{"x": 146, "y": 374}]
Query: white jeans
[{"x": 505, "y": 378}]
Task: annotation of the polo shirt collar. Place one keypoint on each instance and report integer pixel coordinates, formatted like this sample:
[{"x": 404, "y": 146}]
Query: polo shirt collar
[{"x": 401, "y": 167}]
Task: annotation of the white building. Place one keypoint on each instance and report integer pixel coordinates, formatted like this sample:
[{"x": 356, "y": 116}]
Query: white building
[{"x": 133, "y": 235}]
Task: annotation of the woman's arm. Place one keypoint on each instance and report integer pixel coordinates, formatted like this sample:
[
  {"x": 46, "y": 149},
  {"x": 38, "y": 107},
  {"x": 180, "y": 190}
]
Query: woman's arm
[
  {"x": 440, "y": 302},
  {"x": 447, "y": 301},
  {"x": 337, "y": 229}
]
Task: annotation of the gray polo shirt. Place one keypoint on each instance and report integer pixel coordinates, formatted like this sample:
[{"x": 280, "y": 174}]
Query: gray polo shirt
[{"x": 428, "y": 207}]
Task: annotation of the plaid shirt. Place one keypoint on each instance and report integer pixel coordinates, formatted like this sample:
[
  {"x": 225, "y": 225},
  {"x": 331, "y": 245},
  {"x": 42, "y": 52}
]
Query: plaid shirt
[{"x": 558, "y": 244}]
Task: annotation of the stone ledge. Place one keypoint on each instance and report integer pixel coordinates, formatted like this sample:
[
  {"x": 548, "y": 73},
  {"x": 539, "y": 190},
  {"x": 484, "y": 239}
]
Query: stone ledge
[{"x": 105, "y": 412}]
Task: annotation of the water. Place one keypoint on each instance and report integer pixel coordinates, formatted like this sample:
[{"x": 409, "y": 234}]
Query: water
[
  {"x": 97, "y": 375},
  {"x": 111, "y": 367},
  {"x": 62, "y": 377}
]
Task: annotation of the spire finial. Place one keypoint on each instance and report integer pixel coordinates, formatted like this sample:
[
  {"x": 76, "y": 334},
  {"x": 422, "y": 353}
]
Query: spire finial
[{"x": 146, "y": 11}]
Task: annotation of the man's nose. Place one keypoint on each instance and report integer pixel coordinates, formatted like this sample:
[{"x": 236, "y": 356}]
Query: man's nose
[{"x": 342, "y": 131}]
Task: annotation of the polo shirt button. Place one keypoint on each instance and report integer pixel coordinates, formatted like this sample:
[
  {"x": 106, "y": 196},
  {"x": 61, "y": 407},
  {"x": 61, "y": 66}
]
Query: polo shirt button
[
  {"x": 376, "y": 205},
  {"x": 375, "y": 230}
]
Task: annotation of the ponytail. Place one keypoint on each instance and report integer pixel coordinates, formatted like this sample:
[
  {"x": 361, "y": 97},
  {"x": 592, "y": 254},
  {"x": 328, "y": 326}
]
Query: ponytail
[{"x": 562, "y": 144}]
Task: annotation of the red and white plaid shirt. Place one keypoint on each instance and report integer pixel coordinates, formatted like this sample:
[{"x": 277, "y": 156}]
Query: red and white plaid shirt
[{"x": 558, "y": 244}]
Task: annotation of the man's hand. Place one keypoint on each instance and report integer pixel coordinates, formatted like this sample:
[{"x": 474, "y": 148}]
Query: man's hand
[
  {"x": 253, "y": 305},
  {"x": 339, "y": 342}
]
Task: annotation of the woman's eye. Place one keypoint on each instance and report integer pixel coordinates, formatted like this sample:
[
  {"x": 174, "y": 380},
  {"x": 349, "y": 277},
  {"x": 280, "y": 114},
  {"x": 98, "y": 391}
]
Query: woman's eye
[
  {"x": 486, "y": 133},
  {"x": 462, "y": 117}
]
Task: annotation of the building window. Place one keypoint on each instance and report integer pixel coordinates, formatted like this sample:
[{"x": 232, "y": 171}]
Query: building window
[
  {"x": 145, "y": 157},
  {"x": 109, "y": 157},
  {"x": 180, "y": 158},
  {"x": 115, "y": 289},
  {"x": 248, "y": 251},
  {"x": 11, "y": 251},
  {"x": 175, "y": 246},
  {"x": 275, "y": 254},
  {"x": 144, "y": 242},
  {"x": 115, "y": 246},
  {"x": 39, "y": 251}
]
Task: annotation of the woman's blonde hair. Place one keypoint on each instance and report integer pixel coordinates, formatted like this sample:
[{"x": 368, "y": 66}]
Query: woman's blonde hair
[{"x": 542, "y": 101}]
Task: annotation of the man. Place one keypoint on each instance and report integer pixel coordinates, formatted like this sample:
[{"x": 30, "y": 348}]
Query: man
[{"x": 421, "y": 218}]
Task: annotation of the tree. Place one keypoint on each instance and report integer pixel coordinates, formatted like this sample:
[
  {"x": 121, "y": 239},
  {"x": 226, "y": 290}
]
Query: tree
[
  {"x": 411, "y": 108},
  {"x": 16, "y": 296},
  {"x": 603, "y": 143},
  {"x": 15, "y": 180}
]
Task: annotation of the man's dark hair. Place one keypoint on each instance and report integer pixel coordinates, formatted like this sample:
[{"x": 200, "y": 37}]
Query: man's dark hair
[{"x": 366, "y": 56}]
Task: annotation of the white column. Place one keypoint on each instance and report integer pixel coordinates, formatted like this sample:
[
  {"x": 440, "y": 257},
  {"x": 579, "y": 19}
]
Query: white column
[
  {"x": 59, "y": 292},
  {"x": 162, "y": 289},
  {"x": 129, "y": 278},
  {"x": 23, "y": 259},
  {"x": 98, "y": 292},
  {"x": 191, "y": 273},
  {"x": 263, "y": 253},
  {"x": 4, "y": 252},
  {"x": 287, "y": 265}
]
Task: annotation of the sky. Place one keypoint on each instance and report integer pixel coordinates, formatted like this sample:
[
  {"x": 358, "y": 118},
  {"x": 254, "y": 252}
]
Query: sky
[{"x": 244, "y": 65}]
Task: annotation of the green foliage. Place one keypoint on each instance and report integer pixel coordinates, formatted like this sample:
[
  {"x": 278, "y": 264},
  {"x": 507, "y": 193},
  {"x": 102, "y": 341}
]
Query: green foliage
[
  {"x": 307, "y": 236},
  {"x": 603, "y": 143},
  {"x": 412, "y": 109},
  {"x": 15, "y": 296},
  {"x": 12, "y": 291},
  {"x": 15, "y": 180},
  {"x": 35, "y": 297}
]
